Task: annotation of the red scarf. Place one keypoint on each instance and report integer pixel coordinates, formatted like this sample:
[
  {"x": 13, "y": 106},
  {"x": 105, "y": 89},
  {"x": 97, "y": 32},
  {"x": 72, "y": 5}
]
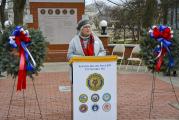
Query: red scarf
[{"x": 89, "y": 50}]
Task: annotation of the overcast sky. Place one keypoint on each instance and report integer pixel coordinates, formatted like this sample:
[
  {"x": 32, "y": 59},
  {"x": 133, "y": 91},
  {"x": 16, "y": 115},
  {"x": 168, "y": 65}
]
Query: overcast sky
[{"x": 93, "y": 1}]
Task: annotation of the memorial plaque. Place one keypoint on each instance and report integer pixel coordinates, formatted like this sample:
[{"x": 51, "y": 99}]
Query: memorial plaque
[{"x": 58, "y": 24}]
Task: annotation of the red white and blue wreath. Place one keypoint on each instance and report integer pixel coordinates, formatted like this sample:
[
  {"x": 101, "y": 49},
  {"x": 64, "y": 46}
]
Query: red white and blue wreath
[
  {"x": 163, "y": 35},
  {"x": 20, "y": 39}
]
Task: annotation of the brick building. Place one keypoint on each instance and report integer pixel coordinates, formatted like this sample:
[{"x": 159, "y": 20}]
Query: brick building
[{"x": 58, "y": 20}]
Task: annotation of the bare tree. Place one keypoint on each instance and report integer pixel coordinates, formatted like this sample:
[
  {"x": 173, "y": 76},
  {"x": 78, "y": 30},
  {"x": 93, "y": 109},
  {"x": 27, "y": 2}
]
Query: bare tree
[
  {"x": 18, "y": 8},
  {"x": 2, "y": 13},
  {"x": 129, "y": 18},
  {"x": 176, "y": 15},
  {"x": 150, "y": 13},
  {"x": 165, "y": 7}
]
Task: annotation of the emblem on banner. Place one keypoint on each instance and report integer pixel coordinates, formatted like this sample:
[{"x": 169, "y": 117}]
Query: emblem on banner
[
  {"x": 95, "y": 107},
  {"x": 83, "y": 98},
  {"x": 106, "y": 97},
  {"x": 83, "y": 108},
  {"x": 106, "y": 107},
  {"x": 95, "y": 81},
  {"x": 95, "y": 97}
]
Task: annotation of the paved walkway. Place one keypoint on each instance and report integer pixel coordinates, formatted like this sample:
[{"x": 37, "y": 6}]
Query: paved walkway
[
  {"x": 160, "y": 76},
  {"x": 64, "y": 67},
  {"x": 52, "y": 86}
]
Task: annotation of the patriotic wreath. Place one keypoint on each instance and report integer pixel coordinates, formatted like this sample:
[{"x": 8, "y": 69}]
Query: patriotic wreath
[
  {"x": 163, "y": 35},
  {"x": 22, "y": 53}
]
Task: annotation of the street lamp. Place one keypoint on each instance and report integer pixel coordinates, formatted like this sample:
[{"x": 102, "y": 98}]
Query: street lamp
[
  {"x": 7, "y": 23},
  {"x": 103, "y": 25}
]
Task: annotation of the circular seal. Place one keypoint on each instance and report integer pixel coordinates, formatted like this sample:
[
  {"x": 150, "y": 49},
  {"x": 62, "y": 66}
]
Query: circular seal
[
  {"x": 106, "y": 107},
  {"x": 83, "y": 98},
  {"x": 106, "y": 97},
  {"x": 50, "y": 11},
  {"x": 42, "y": 11},
  {"x": 95, "y": 97},
  {"x": 72, "y": 11},
  {"x": 95, "y": 81},
  {"x": 64, "y": 11},
  {"x": 57, "y": 11},
  {"x": 95, "y": 107},
  {"x": 83, "y": 108}
]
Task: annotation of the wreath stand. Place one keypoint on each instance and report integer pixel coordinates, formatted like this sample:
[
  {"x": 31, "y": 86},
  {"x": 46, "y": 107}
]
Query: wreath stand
[
  {"x": 153, "y": 91},
  {"x": 11, "y": 99}
]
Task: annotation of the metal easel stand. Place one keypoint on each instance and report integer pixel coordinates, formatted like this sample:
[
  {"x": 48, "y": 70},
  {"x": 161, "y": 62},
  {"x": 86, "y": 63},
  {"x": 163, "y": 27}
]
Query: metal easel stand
[
  {"x": 153, "y": 91},
  {"x": 11, "y": 99}
]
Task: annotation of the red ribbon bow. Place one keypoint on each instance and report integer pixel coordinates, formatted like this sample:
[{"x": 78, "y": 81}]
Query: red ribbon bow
[
  {"x": 21, "y": 84},
  {"x": 166, "y": 33}
]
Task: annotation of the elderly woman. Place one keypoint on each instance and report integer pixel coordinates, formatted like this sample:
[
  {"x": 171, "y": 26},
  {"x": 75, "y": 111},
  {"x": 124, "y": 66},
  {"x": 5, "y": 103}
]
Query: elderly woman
[{"x": 85, "y": 43}]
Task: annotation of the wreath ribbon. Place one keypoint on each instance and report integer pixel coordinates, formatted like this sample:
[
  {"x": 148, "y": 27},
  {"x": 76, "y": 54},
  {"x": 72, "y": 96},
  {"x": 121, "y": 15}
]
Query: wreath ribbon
[
  {"x": 20, "y": 39},
  {"x": 163, "y": 35}
]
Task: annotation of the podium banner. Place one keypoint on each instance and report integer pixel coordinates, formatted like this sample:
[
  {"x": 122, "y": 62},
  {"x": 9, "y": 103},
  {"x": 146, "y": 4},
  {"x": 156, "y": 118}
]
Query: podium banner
[{"x": 95, "y": 88}]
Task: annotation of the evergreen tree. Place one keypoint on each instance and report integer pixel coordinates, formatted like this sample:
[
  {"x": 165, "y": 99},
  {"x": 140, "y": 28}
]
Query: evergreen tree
[
  {"x": 148, "y": 44},
  {"x": 9, "y": 62},
  {"x": 1, "y": 48}
]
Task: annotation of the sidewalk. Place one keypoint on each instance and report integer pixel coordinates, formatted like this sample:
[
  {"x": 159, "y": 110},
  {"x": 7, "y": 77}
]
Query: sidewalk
[
  {"x": 160, "y": 76},
  {"x": 54, "y": 95},
  {"x": 55, "y": 67},
  {"x": 64, "y": 67}
]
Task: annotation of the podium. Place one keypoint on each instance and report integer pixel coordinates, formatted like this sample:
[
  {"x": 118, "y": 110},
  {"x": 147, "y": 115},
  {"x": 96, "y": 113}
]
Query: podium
[{"x": 94, "y": 90}]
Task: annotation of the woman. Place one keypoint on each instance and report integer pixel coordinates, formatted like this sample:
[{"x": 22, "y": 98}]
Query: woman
[{"x": 85, "y": 43}]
